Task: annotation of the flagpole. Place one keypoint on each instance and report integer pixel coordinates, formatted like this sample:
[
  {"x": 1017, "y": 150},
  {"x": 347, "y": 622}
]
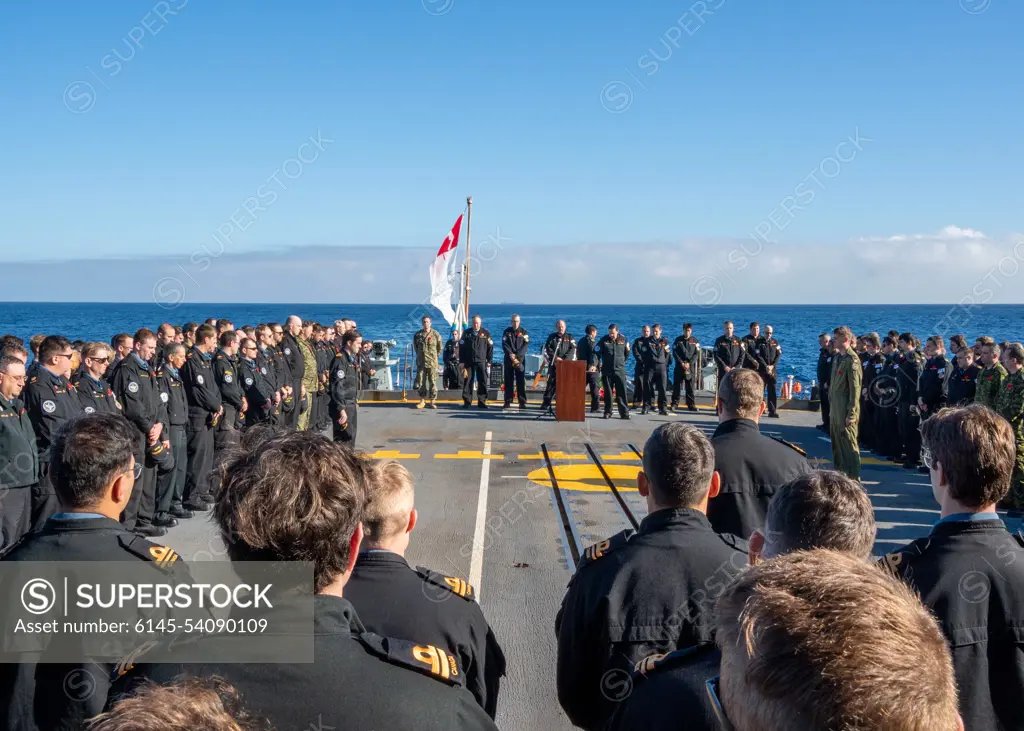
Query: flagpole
[{"x": 469, "y": 228}]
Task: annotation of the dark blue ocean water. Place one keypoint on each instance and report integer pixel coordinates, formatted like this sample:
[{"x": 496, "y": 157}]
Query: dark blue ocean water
[{"x": 796, "y": 326}]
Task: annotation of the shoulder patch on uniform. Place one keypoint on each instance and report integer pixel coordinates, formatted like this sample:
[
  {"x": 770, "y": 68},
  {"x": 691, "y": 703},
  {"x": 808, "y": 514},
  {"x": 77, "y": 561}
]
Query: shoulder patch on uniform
[
  {"x": 893, "y": 562},
  {"x": 663, "y": 661},
  {"x": 453, "y": 583},
  {"x": 163, "y": 556},
  {"x": 602, "y": 549},
  {"x": 430, "y": 660},
  {"x": 792, "y": 446}
]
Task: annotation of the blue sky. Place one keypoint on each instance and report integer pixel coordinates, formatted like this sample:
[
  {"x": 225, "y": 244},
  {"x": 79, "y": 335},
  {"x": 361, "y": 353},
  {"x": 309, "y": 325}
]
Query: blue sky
[{"x": 139, "y": 129}]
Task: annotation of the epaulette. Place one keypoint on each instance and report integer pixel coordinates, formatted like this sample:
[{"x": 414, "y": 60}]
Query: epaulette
[
  {"x": 893, "y": 561},
  {"x": 734, "y": 541},
  {"x": 453, "y": 583},
  {"x": 792, "y": 446},
  {"x": 430, "y": 660},
  {"x": 163, "y": 556},
  {"x": 599, "y": 550},
  {"x": 1019, "y": 537},
  {"x": 665, "y": 661},
  {"x": 127, "y": 663}
]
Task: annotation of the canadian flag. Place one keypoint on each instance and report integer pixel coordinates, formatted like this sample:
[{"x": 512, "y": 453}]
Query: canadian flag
[{"x": 441, "y": 277}]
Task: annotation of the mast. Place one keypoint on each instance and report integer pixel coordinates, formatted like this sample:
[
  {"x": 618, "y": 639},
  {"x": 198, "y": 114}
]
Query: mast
[{"x": 469, "y": 228}]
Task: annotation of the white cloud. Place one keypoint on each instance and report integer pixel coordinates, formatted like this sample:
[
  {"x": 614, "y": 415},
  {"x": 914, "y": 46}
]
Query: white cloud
[
  {"x": 942, "y": 267},
  {"x": 947, "y": 233}
]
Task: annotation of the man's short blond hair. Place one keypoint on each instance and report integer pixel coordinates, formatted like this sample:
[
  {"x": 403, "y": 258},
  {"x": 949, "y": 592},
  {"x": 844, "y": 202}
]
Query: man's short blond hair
[
  {"x": 820, "y": 639},
  {"x": 390, "y": 501},
  {"x": 741, "y": 393}
]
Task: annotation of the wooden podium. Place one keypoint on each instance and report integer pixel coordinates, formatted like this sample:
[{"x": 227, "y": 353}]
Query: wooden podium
[{"x": 571, "y": 390}]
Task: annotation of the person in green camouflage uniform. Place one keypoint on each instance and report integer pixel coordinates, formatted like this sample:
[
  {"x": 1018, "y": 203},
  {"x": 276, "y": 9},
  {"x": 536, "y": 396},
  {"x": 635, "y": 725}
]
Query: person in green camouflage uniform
[
  {"x": 310, "y": 377},
  {"x": 992, "y": 374},
  {"x": 1010, "y": 405},
  {"x": 427, "y": 344},
  {"x": 844, "y": 402}
]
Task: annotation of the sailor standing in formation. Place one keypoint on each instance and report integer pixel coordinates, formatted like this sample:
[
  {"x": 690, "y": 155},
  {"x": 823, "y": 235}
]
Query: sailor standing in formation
[
  {"x": 559, "y": 346},
  {"x": 514, "y": 343}
]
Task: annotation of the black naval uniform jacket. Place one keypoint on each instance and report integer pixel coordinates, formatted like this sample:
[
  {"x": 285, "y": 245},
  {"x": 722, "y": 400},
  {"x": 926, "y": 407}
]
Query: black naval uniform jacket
[
  {"x": 476, "y": 348},
  {"x": 30, "y": 693},
  {"x": 204, "y": 399},
  {"x": 225, "y": 373},
  {"x": 962, "y": 385},
  {"x": 668, "y": 692},
  {"x": 50, "y": 401},
  {"x": 95, "y": 395},
  {"x": 19, "y": 460},
  {"x": 136, "y": 388},
  {"x": 752, "y": 468},
  {"x": 587, "y": 351},
  {"x": 358, "y": 680},
  {"x": 728, "y": 353},
  {"x": 824, "y": 371},
  {"x": 176, "y": 404},
  {"x": 259, "y": 391},
  {"x": 970, "y": 574},
  {"x": 514, "y": 342},
  {"x": 614, "y": 354},
  {"x": 658, "y": 353},
  {"x": 635, "y": 595},
  {"x": 395, "y": 600},
  {"x": 292, "y": 354},
  {"x": 639, "y": 349},
  {"x": 560, "y": 346},
  {"x": 932, "y": 383},
  {"x": 751, "y": 357},
  {"x": 687, "y": 350}
]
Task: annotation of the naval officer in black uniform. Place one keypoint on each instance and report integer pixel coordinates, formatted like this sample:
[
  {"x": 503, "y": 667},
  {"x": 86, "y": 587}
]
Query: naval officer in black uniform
[
  {"x": 751, "y": 466},
  {"x": 666, "y": 688},
  {"x": 344, "y": 380},
  {"x": 515, "y": 341},
  {"x": 559, "y": 346},
  {"x": 614, "y": 352},
  {"x": 686, "y": 354},
  {"x": 394, "y": 599},
  {"x": 50, "y": 400},
  {"x": 970, "y": 569},
  {"x": 653, "y": 591},
  {"x": 476, "y": 350},
  {"x": 302, "y": 496},
  {"x": 19, "y": 461},
  {"x": 588, "y": 353},
  {"x": 94, "y": 473}
]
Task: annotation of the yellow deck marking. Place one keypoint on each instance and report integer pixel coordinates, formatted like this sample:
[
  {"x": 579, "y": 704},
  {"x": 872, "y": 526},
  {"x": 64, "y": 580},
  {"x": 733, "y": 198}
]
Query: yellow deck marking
[
  {"x": 553, "y": 455},
  {"x": 391, "y": 454},
  {"x": 879, "y": 462},
  {"x": 469, "y": 454},
  {"x": 818, "y": 461},
  {"x": 622, "y": 455},
  {"x": 587, "y": 477}
]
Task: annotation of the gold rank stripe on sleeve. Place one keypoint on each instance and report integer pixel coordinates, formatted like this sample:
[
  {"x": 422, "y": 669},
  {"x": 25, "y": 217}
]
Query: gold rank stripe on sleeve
[
  {"x": 597, "y": 550},
  {"x": 459, "y": 586},
  {"x": 439, "y": 662},
  {"x": 163, "y": 555}
]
